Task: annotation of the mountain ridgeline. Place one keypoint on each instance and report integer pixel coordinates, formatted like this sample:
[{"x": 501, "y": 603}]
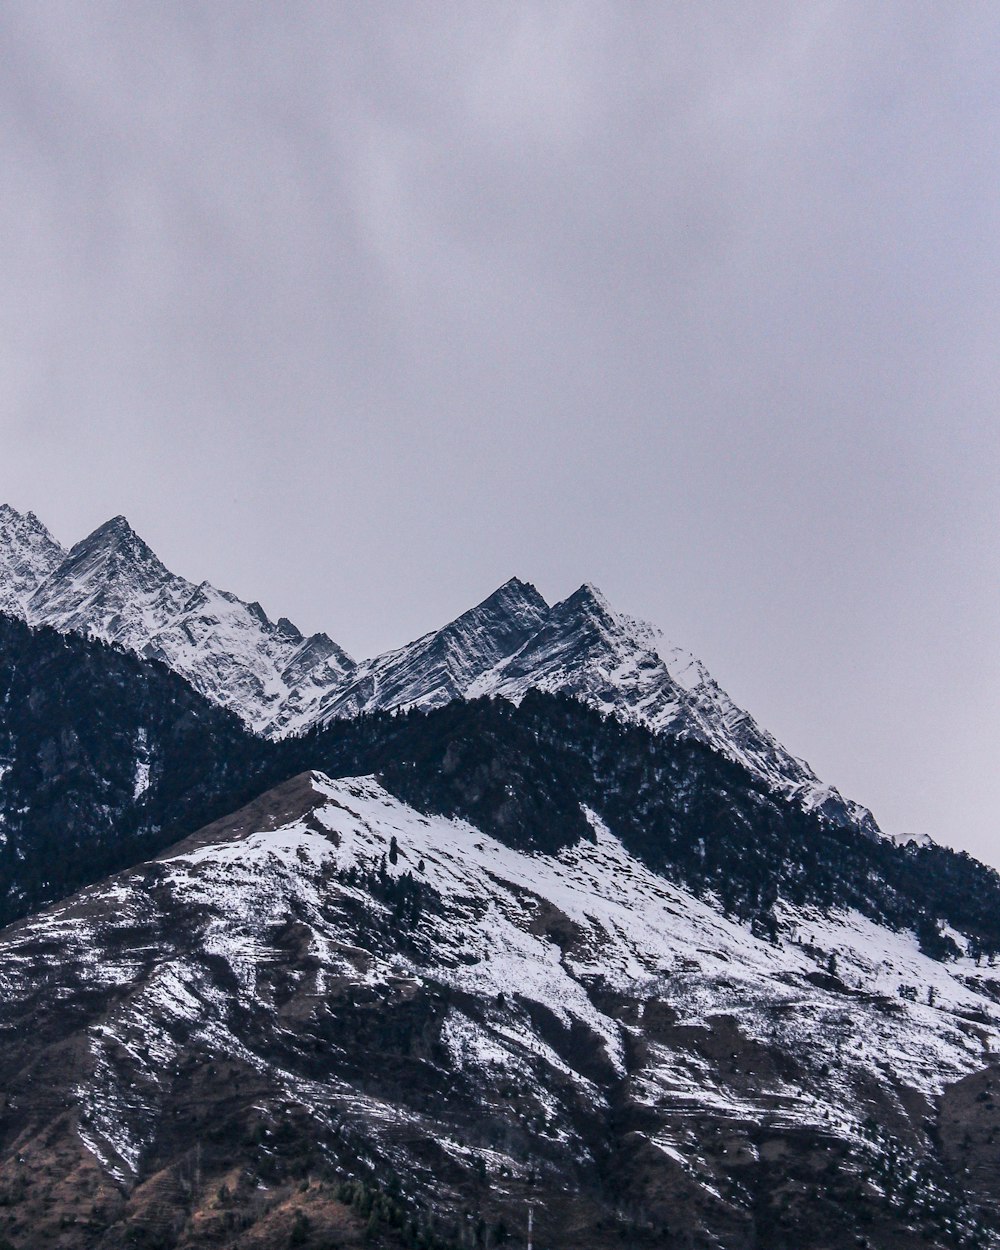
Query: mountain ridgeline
[{"x": 111, "y": 585}]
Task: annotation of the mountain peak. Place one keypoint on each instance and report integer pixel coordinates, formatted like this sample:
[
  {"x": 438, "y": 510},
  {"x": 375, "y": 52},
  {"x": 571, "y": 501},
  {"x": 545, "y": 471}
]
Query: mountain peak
[
  {"x": 112, "y": 585},
  {"x": 111, "y": 559},
  {"x": 514, "y": 595},
  {"x": 518, "y": 585},
  {"x": 446, "y": 663},
  {"x": 117, "y": 533},
  {"x": 589, "y": 598},
  {"x": 26, "y": 522},
  {"x": 28, "y": 554},
  {"x": 97, "y": 579}
]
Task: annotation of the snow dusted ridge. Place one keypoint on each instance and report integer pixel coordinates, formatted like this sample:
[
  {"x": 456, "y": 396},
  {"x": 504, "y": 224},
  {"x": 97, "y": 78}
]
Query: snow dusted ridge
[
  {"x": 911, "y": 839},
  {"x": 513, "y": 642},
  {"x": 443, "y": 665},
  {"x": 112, "y": 586},
  {"x": 583, "y": 980},
  {"x": 627, "y": 667}
]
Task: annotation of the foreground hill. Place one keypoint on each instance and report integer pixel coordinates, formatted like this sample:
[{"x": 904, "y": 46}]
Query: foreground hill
[{"x": 331, "y": 1019}]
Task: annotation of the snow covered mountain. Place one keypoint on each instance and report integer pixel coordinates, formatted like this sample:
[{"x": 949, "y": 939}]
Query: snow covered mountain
[
  {"x": 112, "y": 586},
  {"x": 628, "y": 668},
  {"x": 514, "y": 642},
  {"x": 330, "y": 1005}
]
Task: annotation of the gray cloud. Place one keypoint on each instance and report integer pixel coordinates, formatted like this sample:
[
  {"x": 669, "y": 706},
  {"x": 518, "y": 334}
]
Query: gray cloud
[{"x": 361, "y": 309}]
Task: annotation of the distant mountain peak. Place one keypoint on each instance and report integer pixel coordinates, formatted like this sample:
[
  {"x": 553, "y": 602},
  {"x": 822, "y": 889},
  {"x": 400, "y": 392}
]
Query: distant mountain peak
[
  {"x": 442, "y": 665},
  {"x": 111, "y": 566},
  {"x": 587, "y": 598},
  {"x": 515, "y": 587},
  {"x": 112, "y": 585},
  {"x": 117, "y": 533},
  {"x": 27, "y": 522},
  {"x": 590, "y": 593},
  {"x": 513, "y": 596},
  {"x": 111, "y": 555},
  {"x": 28, "y": 554}
]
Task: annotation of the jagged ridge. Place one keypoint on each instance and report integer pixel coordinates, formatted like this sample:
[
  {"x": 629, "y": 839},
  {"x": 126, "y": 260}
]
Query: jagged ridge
[
  {"x": 112, "y": 586},
  {"x": 28, "y": 554}
]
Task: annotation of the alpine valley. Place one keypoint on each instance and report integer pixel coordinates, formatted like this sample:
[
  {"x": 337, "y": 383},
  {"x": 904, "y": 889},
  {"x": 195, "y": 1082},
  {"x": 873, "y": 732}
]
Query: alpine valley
[{"x": 523, "y": 921}]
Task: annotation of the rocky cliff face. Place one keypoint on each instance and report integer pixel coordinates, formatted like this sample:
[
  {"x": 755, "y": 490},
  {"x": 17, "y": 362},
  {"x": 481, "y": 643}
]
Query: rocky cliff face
[{"x": 330, "y": 1016}]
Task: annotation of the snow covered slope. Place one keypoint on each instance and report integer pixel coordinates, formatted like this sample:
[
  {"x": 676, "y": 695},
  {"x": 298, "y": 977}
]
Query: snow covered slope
[
  {"x": 442, "y": 665},
  {"x": 409, "y": 997},
  {"x": 28, "y": 554},
  {"x": 112, "y": 586}
]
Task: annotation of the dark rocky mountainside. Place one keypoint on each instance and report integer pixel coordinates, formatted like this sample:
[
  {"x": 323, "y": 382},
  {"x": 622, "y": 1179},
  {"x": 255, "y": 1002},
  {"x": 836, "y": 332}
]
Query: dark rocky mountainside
[
  {"x": 330, "y": 1020},
  {"x": 101, "y": 756}
]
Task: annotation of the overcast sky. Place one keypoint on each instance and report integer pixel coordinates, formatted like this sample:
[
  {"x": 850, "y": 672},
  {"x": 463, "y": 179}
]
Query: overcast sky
[{"x": 360, "y": 309}]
